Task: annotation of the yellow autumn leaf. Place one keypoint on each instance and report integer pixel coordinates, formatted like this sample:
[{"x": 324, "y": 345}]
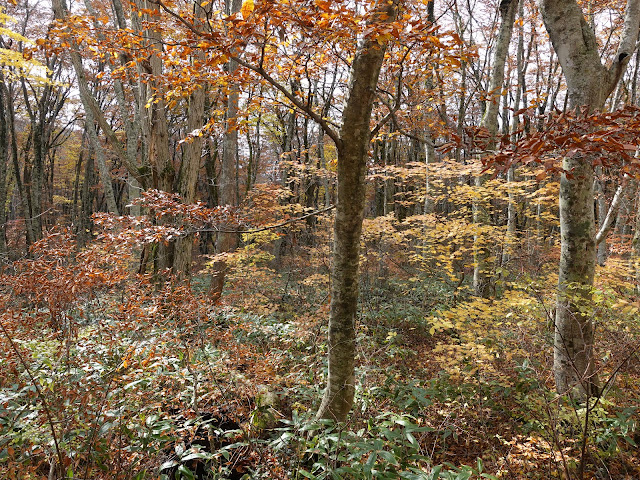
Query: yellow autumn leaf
[{"x": 247, "y": 8}]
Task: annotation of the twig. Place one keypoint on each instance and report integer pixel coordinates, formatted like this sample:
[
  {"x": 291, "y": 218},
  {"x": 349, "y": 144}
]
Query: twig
[{"x": 262, "y": 229}]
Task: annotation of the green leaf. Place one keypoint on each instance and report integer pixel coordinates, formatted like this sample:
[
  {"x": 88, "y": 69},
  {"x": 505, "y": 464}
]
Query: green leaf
[
  {"x": 168, "y": 464},
  {"x": 134, "y": 383},
  {"x": 306, "y": 474},
  {"x": 196, "y": 455},
  {"x": 388, "y": 457},
  {"x": 371, "y": 461},
  {"x": 186, "y": 472},
  {"x": 435, "y": 473}
]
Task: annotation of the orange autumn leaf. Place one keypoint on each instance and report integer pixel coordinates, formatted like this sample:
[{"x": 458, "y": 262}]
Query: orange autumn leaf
[{"x": 247, "y": 8}]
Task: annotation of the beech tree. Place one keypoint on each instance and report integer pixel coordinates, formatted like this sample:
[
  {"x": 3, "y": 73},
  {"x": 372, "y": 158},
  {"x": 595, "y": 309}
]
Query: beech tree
[
  {"x": 589, "y": 84},
  {"x": 227, "y": 191},
  {"x": 137, "y": 53},
  {"x": 353, "y": 148},
  {"x": 352, "y": 143},
  {"x": 39, "y": 90},
  {"x": 481, "y": 273}
]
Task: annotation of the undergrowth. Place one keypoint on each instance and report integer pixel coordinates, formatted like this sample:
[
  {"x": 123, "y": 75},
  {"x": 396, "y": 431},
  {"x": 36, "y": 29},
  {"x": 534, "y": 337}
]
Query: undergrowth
[{"x": 110, "y": 375}]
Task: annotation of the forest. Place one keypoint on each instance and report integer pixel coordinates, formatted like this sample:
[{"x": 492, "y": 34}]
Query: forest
[{"x": 319, "y": 239}]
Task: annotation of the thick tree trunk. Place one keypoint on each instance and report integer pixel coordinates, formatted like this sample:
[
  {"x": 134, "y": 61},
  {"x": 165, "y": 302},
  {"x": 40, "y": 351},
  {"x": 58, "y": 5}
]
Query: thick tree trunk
[
  {"x": 103, "y": 170},
  {"x": 573, "y": 346},
  {"x": 227, "y": 192},
  {"x": 352, "y": 165},
  {"x": 589, "y": 84},
  {"x": 164, "y": 173},
  {"x": 190, "y": 166}
]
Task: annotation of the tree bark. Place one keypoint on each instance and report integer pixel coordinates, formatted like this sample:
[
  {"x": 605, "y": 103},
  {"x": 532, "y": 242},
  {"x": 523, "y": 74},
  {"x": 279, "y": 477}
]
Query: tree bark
[
  {"x": 589, "y": 83},
  {"x": 84, "y": 224},
  {"x": 602, "y": 250},
  {"x": 22, "y": 190},
  {"x": 635, "y": 244},
  {"x": 607, "y": 215},
  {"x": 227, "y": 192},
  {"x": 103, "y": 170},
  {"x": 353, "y": 149},
  {"x": 4, "y": 163},
  {"x": 190, "y": 166},
  {"x": 482, "y": 281}
]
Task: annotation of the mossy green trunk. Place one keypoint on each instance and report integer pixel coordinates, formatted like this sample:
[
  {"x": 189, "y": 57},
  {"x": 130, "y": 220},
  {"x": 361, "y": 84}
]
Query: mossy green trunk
[{"x": 353, "y": 151}]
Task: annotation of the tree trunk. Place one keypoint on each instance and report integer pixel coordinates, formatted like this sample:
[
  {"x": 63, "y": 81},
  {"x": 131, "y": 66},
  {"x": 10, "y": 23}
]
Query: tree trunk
[
  {"x": 37, "y": 172},
  {"x": 103, "y": 170},
  {"x": 589, "y": 84},
  {"x": 22, "y": 190},
  {"x": 482, "y": 281},
  {"x": 511, "y": 217},
  {"x": 606, "y": 216},
  {"x": 76, "y": 184},
  {"x": 353, "y": 151},
  {"x": 519, "y": 101},
  {"x": 84, "y": 225},
  {"x": 573, "y": 344},
  {"x": 636, "y": 246},
  {"x": 599, "y": 191},
  {"x": 4, "y": 162},
  {"x": 430, "y": 148},
  {"x": 164, "y": 173},
  {"x": 190, "y": 166},
  {"x": 227, "y": 192}
]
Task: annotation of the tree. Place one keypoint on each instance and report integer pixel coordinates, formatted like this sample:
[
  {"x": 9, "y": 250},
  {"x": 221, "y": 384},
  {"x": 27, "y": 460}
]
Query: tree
[
  {"x": 351, "y": 140},
  {"x": 352, "y": 144},
  {"x": 149, "y": 150},
  {"x": 353, "y": 148},
  {"x": 227, "y": 191},
  {"x": 481, "y": 275},
  {"x": 39, "y": 89},
  {"x": 589, "y": 84}
]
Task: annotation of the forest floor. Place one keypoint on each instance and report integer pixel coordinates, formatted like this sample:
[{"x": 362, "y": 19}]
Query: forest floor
[{"x": 141, "y": 381}]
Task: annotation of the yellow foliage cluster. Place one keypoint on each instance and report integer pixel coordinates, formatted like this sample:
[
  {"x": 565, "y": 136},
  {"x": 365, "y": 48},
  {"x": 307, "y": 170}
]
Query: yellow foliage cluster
[
  {"x": 15, "y": 64},
  {"x": 477, "y": 337}
]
